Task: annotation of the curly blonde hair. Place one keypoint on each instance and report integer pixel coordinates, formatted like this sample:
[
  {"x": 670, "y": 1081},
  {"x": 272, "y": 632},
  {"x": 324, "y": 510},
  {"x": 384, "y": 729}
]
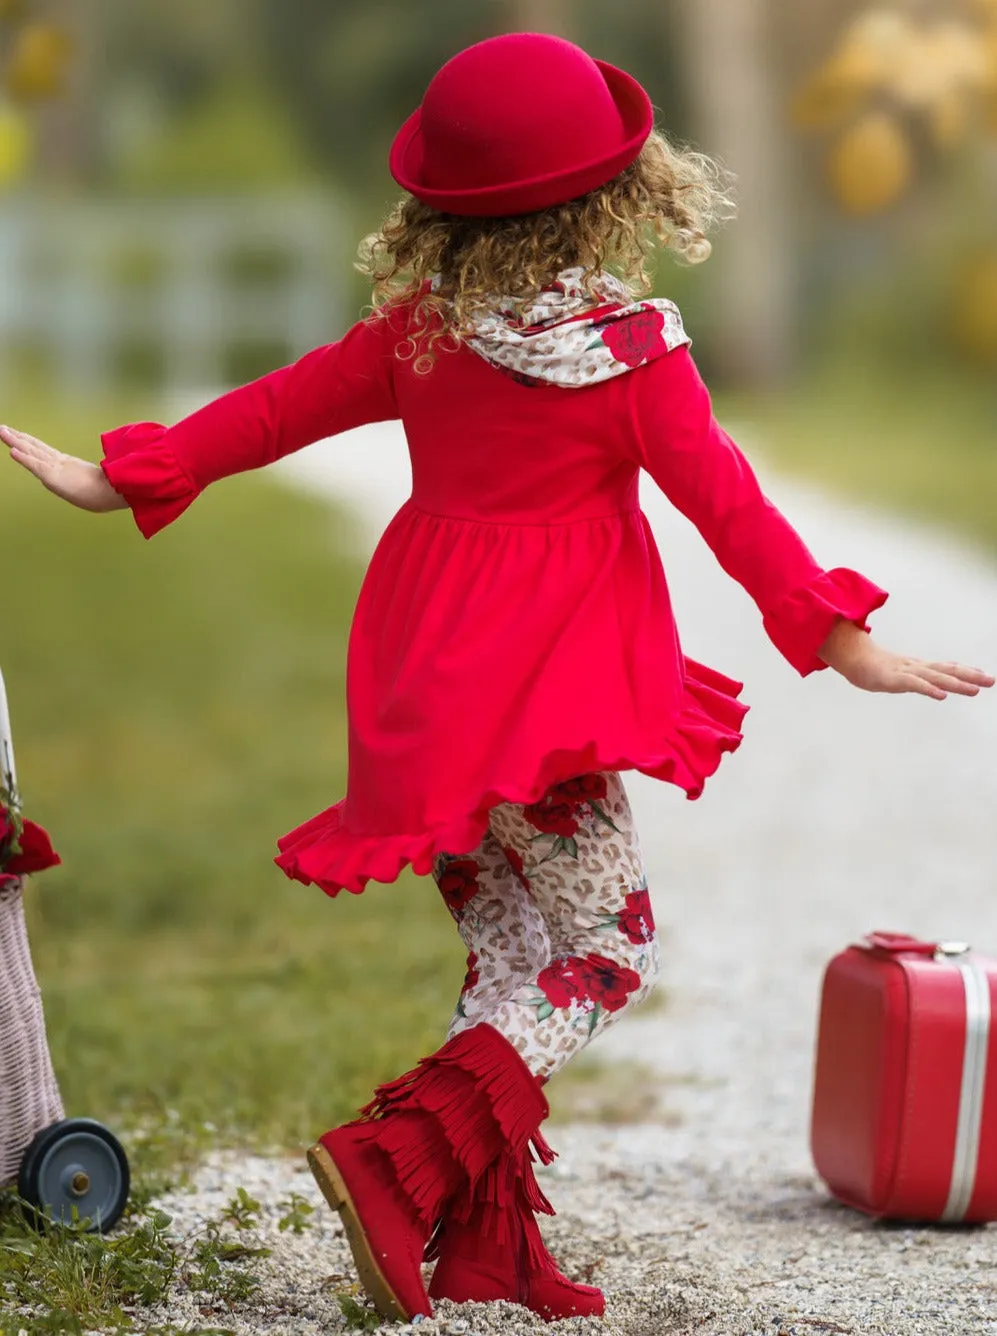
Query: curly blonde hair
[{"x": 668, "y": 194}]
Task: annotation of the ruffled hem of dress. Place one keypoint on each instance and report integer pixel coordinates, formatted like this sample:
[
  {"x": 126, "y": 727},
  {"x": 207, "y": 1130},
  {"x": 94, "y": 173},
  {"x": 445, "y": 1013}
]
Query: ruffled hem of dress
[
  {"x": 321, "y": 852},
  {"x": 804, "y": 619},
  {"x": 149, "y": 478}
]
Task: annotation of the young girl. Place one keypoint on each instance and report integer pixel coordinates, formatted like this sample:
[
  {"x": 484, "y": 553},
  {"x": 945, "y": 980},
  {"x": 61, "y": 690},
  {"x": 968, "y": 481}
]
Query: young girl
[{"x": 513, "y": 648}]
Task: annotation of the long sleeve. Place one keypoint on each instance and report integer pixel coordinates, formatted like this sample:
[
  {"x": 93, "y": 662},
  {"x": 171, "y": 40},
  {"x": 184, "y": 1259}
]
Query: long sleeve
[
  {"x": 707, "y": 478},
  {"x": 160, "y": 470}
]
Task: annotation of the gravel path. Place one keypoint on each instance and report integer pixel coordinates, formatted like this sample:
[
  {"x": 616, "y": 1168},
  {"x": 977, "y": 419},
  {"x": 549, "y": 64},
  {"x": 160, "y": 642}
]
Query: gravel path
[{"x": 843, "y": 812}]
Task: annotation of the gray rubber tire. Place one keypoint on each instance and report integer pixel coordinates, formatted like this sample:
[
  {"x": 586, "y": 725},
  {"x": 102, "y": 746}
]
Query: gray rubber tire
[{"x": 76, "y": 1170}]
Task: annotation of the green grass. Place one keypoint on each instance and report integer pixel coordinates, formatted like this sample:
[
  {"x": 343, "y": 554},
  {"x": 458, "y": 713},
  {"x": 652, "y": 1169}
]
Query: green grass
[
  {"x": 68, "y": 1281},
  {"x": 177, "y": 705},
  {"x": 922, "y": 444}
]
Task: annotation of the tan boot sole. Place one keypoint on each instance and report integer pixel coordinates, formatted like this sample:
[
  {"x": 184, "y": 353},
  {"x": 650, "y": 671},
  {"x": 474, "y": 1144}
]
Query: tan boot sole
[{"x": 336, "y": 1193}]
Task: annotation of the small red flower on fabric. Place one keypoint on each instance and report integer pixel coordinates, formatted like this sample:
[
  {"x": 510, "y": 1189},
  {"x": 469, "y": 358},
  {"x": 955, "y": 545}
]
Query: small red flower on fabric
[
  {"x": 472, "y": 976},
  {"x": 24, "y": 848},
  {"x": 636, "y": 920},
  {"x": 564, "y": 981},
  {"x": 634, "y": 338},
  {"x": 582, "y": 789},
  {"x": 553, "y": 818},
  {"x": 594, "y": 982},
  {"x": 515, "y": 859},
  {"x": 558, "y": 813},
  {"x": 610, "y": 984},
  {"x": 458, "y": 882},
  {"x": 559, "y": 819},
  {"x": 585, "y": 791}
]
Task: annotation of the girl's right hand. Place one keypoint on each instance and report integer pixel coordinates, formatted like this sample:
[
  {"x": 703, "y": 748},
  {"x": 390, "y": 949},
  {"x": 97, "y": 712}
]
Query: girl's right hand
[{"x": 81, "y": 483}]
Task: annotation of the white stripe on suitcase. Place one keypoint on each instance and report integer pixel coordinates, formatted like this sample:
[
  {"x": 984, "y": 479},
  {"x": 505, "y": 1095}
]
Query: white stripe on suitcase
[{"x": 974, "y": 1077}]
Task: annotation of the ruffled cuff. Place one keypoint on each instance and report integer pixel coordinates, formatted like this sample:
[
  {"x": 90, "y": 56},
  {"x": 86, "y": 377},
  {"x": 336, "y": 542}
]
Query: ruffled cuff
[
  {"x": 803, "y": 620},
  {"x": 147, "y": 474}
]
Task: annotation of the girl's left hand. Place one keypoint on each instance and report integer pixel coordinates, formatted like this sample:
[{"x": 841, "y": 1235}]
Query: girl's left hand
[{"x": 850, "y": 652}]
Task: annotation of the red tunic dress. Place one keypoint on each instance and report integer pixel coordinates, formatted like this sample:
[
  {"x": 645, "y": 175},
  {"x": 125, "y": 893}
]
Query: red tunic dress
[{"x": 514, "y": 628}]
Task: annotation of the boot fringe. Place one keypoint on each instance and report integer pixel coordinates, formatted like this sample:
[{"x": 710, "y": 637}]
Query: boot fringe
[
  {"x": 533, "y": 1198},
  {"x": 421, "y": 1161},
  {"x": 492, "y": 1106},
  {"x": 482, "y": 1110},
  {"x": 543, "y": 1151}
]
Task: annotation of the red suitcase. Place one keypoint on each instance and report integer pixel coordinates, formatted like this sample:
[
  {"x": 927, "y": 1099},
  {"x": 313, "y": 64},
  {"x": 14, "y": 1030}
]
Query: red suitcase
[{"x": 905, "y": 1091}]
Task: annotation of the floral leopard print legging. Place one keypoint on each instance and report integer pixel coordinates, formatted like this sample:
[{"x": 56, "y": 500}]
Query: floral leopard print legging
[{"x": 553, "y": 908}]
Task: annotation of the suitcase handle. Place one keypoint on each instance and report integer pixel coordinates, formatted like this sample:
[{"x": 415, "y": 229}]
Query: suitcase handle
[{"x": 895, "y": 943}]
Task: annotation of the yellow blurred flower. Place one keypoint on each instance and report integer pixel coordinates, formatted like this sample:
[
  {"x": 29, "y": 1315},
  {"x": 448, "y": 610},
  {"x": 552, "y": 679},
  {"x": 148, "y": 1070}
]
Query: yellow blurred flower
[
  {"x": 863, "y": 61},
  {"x": 871, "y": 164},
  {"x": 15, "y": 145},
  {"x": 967, "y": 51},
  {"x": 949, "y": 120},
  {"x": 943, "y": 58},
  {"x": 829, "y": 98},
  {"x": 38, "y": 62},
  {"x": 878, "y": 43}
]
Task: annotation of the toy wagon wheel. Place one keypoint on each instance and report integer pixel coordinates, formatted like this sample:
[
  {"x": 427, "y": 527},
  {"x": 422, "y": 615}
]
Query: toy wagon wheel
[{"x": 76, "y": 1169}]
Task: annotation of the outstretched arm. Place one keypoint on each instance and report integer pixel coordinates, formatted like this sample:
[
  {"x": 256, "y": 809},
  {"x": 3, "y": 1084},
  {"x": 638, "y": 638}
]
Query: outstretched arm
[
  {"x": 158, "y": 471},
  {"x": 815, "y": 617}
]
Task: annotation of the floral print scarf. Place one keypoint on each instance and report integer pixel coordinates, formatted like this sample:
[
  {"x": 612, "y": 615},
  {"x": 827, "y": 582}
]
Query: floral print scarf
[{"x": 560, "y": 338}]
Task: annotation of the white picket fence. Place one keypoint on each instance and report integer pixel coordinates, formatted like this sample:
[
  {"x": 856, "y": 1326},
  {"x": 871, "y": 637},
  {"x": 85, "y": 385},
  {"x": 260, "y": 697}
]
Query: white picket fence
[{"x": 88, "y": 287}]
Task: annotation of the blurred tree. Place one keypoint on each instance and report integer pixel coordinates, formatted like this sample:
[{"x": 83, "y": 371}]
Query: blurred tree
[
  {"x": 733, "y": 88},
  {"x": 352, "y": 72},
  {"x": 553, "y": 16},
  {"x": 44, "y": 79},
  {"x": 59, "y": 56}
]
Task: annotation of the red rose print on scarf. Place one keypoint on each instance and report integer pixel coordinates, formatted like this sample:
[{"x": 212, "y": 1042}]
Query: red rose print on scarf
[
  {"x": 635, "y": 338},
  {"x": 458, "y": 883},
  {"x": 636, "y": 921}
]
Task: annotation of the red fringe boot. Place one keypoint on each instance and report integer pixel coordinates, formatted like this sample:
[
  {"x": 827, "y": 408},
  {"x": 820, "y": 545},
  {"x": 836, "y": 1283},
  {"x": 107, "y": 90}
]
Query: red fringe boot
[
  {"x": 493, "y": 1249},
  {"x": 436, "y": 1135}
]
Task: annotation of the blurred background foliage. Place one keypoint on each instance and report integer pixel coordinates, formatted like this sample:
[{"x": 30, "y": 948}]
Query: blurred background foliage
[
  {"x": 864, "y": 137},
  {"x": 182, "y": 186}
]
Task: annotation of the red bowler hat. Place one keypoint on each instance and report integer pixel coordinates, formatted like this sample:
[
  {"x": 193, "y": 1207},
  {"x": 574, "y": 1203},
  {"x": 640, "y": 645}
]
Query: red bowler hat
[{"x": 518, "y": 123}]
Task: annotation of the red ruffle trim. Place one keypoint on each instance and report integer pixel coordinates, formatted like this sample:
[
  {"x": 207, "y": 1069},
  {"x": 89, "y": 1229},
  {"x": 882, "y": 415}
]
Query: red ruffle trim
[
  {"x": 151, "y": 480},
  {"x": 800, "y": 624},
  {"x": 324, "y": 853}
]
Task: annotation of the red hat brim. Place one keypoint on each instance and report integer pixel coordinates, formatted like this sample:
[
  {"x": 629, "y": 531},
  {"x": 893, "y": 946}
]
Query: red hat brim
[{"x": 503, "y": 200}]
